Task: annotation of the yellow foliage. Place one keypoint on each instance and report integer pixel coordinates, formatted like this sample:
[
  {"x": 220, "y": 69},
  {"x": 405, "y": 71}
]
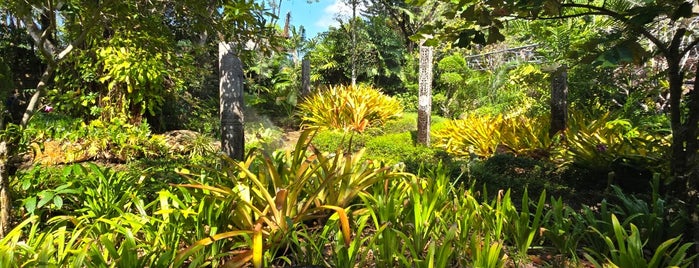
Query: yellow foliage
[
  {"x": 483, "y": 136},
  {"x": 349, "y": 108}
]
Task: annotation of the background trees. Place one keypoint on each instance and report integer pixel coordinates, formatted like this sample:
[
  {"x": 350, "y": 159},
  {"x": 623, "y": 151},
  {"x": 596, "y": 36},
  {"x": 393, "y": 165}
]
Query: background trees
[
  {"x": 116, "y": 59},
  {"x": 634, "y": 39}
]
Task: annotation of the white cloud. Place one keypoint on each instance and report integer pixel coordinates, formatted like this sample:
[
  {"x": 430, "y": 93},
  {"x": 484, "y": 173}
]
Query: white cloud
[{"x": 338, "y": 9}]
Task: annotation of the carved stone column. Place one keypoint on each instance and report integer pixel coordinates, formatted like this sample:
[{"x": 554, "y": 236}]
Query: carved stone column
[
  {"x": 559, "y": 100},
  {"x": 231, "y": 101},
  {"x": 305, "y": 77},
  {"x": 424, "y": 108}
]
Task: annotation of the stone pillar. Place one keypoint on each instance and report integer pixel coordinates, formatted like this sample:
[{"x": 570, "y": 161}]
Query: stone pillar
[
  {"x": 231, "y": 101},
  {"x": 424, "y": 109},
  {"x": 305, "y": 77},
  {"x": 559, "y": 100}
]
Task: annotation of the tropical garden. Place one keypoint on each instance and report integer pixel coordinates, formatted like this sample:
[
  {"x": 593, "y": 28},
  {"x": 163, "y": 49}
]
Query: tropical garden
[{"x": 417, "y": 133}]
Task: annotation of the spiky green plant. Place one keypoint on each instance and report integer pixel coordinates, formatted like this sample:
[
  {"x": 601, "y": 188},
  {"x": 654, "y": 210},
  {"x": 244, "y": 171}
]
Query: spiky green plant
[
  {"x": 349, "y": 108},
  {"x": 271, "y": 196},
  {"x": 627, "y": 250}
]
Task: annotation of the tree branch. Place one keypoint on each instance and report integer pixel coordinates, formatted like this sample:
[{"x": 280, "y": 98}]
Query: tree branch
[
  {"x": 46, "y": 48},
  {"x": 689, "y": 47},
  {"x": 676, "y": 41},
  {"x": 623, "y": 19},
  {"x": 560, "y": 17},
  {"x": 52, "y": 61}
]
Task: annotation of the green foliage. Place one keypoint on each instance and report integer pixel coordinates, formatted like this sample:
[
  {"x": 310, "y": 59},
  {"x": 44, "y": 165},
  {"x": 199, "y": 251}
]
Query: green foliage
[
  {"x": 278, "y": 193},
  {"x": 564, "y": 229},
  {"x": 653, "y": 215},
  {"x": 58, "y": 139},
  {"x": 134, "y": 79},
  {"x": 451, "y": 70},
  {"x": 408, "y": 101},
  {"x": 627, "y": 250},
  {"x": 380, "y": 55},
  {"x": 105, "y": 221},
  {"x": 349, "y": 108},
  {"x": 274, "y": 85},
  {"x": 595, "y": 142},
  {"x": 283, "y": 214},
  {"x": 6, "y": 83},
  {"x": 524, "y": 225},
  {"x": 393, "y": 143},
  {"x": 517, "y": 173}
]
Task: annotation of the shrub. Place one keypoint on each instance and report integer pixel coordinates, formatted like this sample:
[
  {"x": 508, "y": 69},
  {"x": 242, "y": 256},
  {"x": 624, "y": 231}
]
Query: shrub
[
  {"x": 504, "y": 171},
  {"x": 483, "y": 136},
  {"x": 114, "y": 140},
  {"x": 349, "y": 108},
  {"x": 331, "y": 140},
  {"x": 596, "y": 142},
  {"x": 284, "y": 191}
]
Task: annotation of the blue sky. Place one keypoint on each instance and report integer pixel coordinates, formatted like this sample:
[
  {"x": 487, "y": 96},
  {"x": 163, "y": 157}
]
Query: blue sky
[{"x": 316, "y": 17}]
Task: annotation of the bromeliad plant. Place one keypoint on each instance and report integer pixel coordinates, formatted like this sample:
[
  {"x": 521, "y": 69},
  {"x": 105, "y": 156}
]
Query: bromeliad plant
[
  {"x": 483, "y": 136},
  {"x": 267, "y": 197},
  {"x": 349, "y": 108},
  {"x": 596, "y": 142}
]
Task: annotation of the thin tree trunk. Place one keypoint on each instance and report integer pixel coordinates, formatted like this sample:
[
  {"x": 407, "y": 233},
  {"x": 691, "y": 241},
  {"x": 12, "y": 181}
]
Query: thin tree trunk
[
  {"x": 424, "y": 109},
  {"x": 231, "y": 102},
  {"x": 40, "y": 88},
  {"x": 684, "y": 146},
  {"x": 559, "y": 100},
  {"x": 679, "y": 132},
  {"x": 5, "y": 198}
]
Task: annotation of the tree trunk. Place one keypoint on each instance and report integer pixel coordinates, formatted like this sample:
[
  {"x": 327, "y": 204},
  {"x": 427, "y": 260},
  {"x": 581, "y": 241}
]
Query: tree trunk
[
  {"x": 231, "y": 102},
  {"x": 559, "y": 100},
  {"x": 40, "y": 88},
  {"x": 679, "y": 157},
  {"x": 305, "y": 77},
  {"x": 424, "y": 109},
  {"x": 692, "y": 135},
  {"x": 684, "y": 146},
  {"x": 5, "y": 199}
]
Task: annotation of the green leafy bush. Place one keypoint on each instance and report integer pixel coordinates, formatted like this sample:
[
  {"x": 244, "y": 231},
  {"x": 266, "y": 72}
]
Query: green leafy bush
[
  {"x": 517, "y": 173},
  {"x": 349, "y": 108},
  {"x": 114, "y": 140},
  {"x": 106, "y": 219}
]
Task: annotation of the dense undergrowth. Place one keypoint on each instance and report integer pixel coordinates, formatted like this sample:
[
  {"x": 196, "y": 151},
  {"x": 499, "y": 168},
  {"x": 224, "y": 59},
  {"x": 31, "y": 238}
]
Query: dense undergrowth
[
  {"x": 491, "y": 192},
  {"x": 323, "y": 205}
]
